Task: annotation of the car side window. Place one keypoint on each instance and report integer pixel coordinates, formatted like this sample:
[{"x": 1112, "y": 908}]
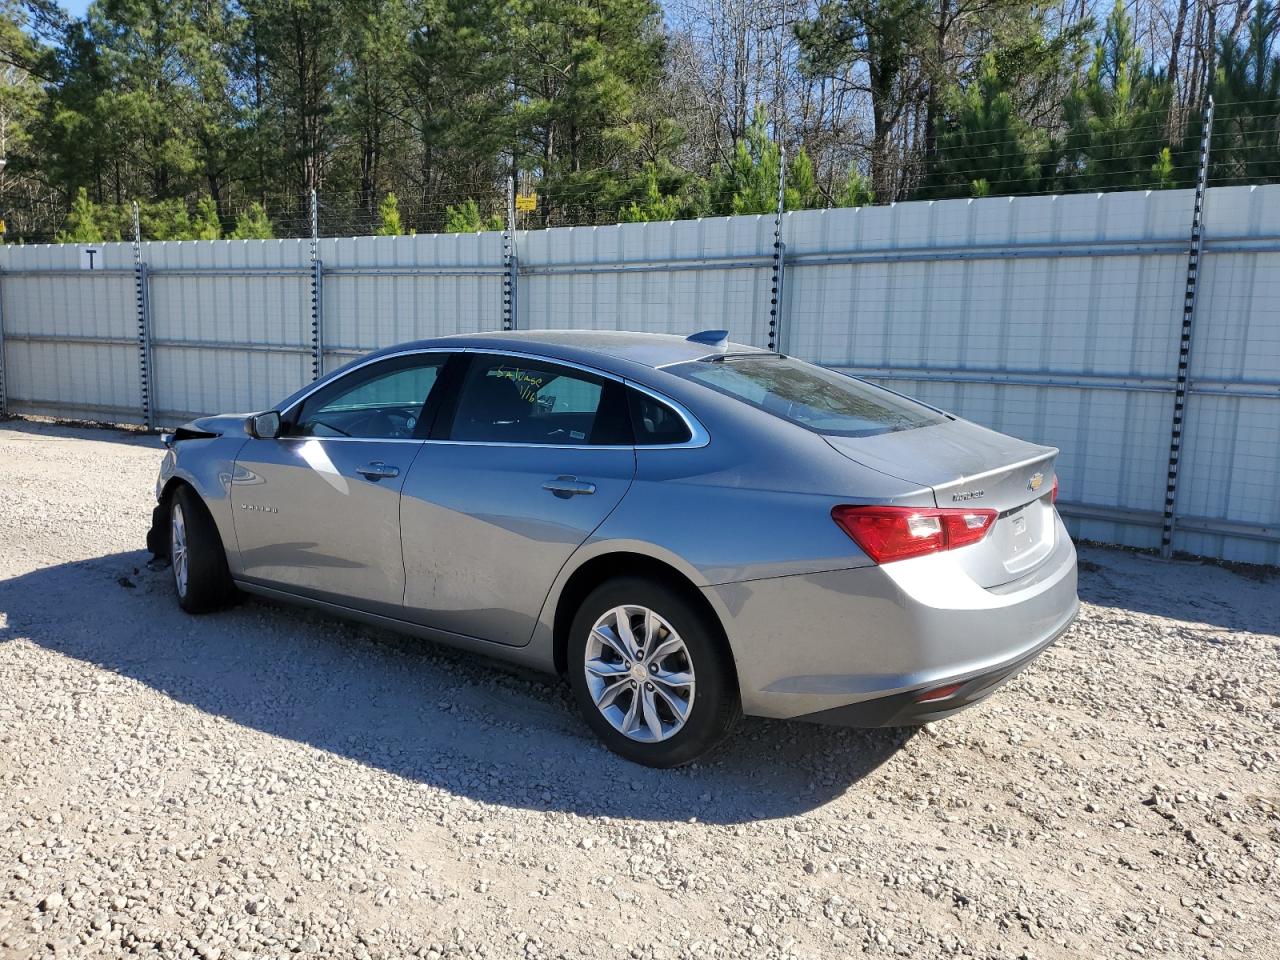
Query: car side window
[
  {"x": 654, "y": 422},
  {"x": 512, "y": 400},
  {"x": 383, "y": 401}
]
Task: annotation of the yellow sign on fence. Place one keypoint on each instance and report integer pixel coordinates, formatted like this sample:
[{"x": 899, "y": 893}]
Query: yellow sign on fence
[{"x": 526, "y": 202}]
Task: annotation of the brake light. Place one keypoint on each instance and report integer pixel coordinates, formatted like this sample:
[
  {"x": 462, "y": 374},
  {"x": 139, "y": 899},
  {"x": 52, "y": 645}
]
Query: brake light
[
  {"x": 1053, "y": 496},
  {"x": 896, "y": 533}
]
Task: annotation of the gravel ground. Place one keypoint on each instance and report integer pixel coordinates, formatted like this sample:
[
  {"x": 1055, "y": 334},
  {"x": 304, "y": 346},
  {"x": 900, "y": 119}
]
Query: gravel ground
[{"x": 267, "y": 782}]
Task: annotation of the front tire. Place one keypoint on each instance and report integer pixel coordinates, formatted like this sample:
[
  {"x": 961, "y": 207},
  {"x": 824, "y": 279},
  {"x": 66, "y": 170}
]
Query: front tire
[
  {"x": 196, "y": 557},
  {"x": 650, "y": 674}
]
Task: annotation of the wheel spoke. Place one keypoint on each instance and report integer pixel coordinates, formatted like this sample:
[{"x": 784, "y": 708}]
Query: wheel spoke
[
  {"x": 612, "y": 642},
  {"x": 651, "y": 713},
  {"x": 663, "y": 650},
  {"x": 605, "y": 670},
  {"x": 622, "y": 624},
  {"x": 629, "y": 721},
  {"x": 651, "y": 628},
  {"x": 679, "y": 708},
  {"x": 606, "y": 697},
  {"x": 674, "y": 678}
]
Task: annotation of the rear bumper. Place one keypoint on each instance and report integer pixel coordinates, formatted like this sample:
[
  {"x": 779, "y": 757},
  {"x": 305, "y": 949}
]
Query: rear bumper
[
  {"x": 904, "y": 709},
  {"x": 857, "y": 646}
]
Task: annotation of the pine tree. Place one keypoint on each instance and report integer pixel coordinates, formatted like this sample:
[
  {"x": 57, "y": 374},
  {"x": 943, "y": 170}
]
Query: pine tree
[
  {"x": 577, "y": 73},
  {"x": 389, "y": 217},
  {"x": 206, "y": 225},
  {"x": 82, "y": 221},
  {"x": 749, "y": 184},
  {"x": 801, "y": 191},
  {"x": 857, "y": 190},
  {"x": 653, "y": 205},
  {"x": 253, "y": 224},
  {"x": 985, "y": 147},
  {"x": 466, "y": 218},
  {"x": 1116, "y": 115},
  {"x": 1246, "y": 124}
]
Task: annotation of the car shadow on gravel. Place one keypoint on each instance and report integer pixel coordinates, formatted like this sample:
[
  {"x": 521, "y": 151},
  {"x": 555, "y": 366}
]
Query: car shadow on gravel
[{"x": 412, "y": 709}]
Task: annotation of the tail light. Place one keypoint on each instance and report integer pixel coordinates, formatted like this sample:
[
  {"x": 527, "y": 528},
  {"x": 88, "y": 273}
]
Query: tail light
[
  {"x": 896, "y": 533},
  {"x": 1053, "y": 496}
]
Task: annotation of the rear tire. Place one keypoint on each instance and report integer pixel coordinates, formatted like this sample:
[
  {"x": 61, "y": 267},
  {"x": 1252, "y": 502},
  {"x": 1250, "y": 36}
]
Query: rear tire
[
  {"x": 660, "y": 690},
  {"x": 197, "y": 560}
]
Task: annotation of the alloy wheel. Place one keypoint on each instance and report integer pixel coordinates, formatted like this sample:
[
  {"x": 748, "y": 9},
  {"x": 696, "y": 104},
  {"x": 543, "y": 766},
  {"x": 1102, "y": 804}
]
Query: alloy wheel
[
  {"x": 178, "y": 549},
  {"x": 639, "y": 673}
]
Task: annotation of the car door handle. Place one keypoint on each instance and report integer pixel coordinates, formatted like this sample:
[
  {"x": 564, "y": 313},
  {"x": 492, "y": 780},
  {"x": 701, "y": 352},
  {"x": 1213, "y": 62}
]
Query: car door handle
[
  {"x": 566, "y": 487},
  {"x": 378, "y": 471}
]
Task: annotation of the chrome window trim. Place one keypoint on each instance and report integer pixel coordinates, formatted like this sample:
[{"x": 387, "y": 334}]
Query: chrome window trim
[
  {"x": 320, "y": 385},
  {"x": 698, "y": 436}
]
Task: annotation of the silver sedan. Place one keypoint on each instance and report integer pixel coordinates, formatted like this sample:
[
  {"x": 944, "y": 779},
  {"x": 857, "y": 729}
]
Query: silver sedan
[{"x": 688, "y": 529}]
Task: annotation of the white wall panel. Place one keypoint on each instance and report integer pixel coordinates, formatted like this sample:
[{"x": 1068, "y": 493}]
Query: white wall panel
[
  {"x": 562, "y": 291},
  {"x": 1057, "y": 319},
  {"x": 373, "y": 310},
  {"x": 1231, "y": 458}
]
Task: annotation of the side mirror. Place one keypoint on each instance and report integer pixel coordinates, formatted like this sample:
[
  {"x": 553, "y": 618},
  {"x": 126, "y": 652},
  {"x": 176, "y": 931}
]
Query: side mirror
[{"x": 264, "y": 426}]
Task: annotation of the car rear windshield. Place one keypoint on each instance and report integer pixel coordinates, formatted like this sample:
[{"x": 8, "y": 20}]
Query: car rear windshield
[{"x": 810, "y": 396}]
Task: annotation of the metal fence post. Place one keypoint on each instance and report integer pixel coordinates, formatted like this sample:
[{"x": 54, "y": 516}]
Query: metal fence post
[
  {"x": 510, "y": 262},
  {"x": 143, "y": 300},
  {"x": 1184, "y": 348},
  {"x": 779, "y": 255},
  {"x": 317, "y": 294},
  {"x": 4, "y": 395}
]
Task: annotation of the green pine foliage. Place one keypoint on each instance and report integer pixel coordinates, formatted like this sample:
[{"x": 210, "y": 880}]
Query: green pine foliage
[
  {"x": 1246, "y": 125},
  {"x": 605, "y": 109},
  {"x": 253, "y": 224},
  {"x": 82, "y": 224},
  {"x": 389, "y": 217},
  {"x": 467, "y": 218},
  {"x": 206, "y": 225},
  {"x": 985, "y": 146},
  {"x": 1116, "y": 115}
]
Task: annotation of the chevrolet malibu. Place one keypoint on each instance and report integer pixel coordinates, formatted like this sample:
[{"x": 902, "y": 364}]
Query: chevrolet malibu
[{"x": 687, "y": 529}]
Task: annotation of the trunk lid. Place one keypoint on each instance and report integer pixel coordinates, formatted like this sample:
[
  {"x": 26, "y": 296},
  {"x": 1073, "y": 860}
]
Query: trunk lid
[{"x": 971, "y": 466}]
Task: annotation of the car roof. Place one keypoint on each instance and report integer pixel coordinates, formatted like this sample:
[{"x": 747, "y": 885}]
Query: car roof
[{"x": 646, "y": 349}]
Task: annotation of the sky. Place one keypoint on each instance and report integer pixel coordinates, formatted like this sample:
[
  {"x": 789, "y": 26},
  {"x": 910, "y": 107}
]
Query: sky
[{"x": 75, "y": 7}]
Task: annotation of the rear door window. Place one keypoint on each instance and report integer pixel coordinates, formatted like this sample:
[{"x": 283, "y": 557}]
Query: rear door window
[
  {"x": 513, "y": 400},
  {"x": 810, "y": 396}
]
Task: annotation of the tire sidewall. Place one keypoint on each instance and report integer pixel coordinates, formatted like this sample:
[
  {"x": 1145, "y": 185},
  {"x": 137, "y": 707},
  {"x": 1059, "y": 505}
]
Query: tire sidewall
[
  {"x": 715, "y": 701},
  {"x": 208, "y": 579}
]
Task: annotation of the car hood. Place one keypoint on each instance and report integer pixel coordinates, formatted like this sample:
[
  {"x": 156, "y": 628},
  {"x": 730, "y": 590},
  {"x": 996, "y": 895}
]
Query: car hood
[{"x": 216, "y": 426}]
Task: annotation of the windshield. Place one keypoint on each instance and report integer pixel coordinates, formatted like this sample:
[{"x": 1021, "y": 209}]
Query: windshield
[{"x": 810, "y": 396}]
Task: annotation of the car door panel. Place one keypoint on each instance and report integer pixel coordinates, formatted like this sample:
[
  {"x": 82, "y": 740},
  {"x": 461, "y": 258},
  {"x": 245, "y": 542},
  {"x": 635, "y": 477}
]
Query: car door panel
[
  {"x": 317, "y": 510},
  {"x": 308, "y": 521},
  {"x": 483, "y": 539}
]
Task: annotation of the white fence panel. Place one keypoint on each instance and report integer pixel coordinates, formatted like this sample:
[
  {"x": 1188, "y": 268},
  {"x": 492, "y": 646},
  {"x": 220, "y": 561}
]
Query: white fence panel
[
  {"x": 655, "y": 277},
  {"x": 46, "y": 299},
  {"x": 1057, "y": 319},
  {"x": 230, "y": 323},
  {"x": 379, "y": 291},
  {"x": 1231, "y": 458}
]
